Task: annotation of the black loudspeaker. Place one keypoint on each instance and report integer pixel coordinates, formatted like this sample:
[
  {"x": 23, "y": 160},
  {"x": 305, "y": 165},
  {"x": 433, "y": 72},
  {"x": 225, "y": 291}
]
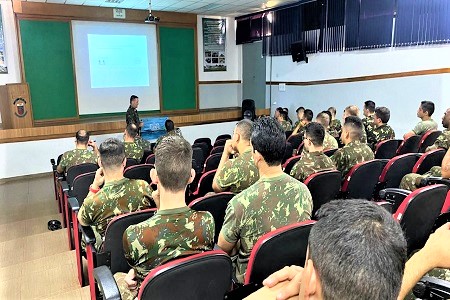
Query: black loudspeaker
[
  {"x": 298, "y": 52},
  {"x": 248, "y": 109}
]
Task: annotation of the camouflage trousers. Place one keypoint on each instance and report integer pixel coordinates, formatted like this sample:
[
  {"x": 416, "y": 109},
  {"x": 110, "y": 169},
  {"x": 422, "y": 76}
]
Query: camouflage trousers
[
  {"x": 125, "y": 292},
  {"x": 411, "y": 181}
]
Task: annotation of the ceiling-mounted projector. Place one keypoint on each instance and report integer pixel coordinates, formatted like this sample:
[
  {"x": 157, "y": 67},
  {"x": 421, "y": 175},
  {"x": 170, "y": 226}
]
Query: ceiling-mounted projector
[{"x": 151, "y": 19}]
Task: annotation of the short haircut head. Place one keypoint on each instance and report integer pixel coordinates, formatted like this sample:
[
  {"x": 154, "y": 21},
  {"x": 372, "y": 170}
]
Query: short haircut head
[
  {"x": 324, "y": 118},
  {"x": 82, "y": 136},
  {"x": 245, "y": 128},
  {"x": 332, "y": 110},
  {"x": 269, "y": 139},
  {"x": 133, "y": 97},
  {"x": 132, "y": 130},
  {"x": 169, "y": 125},
  {"x": 358, "y": 250},
  {"x": 308, "y": 115},
  {"x": 279, "y": 109},
  {"x": 315, "y": 132},
  {"x": 383, "y": 113},
  {"x": 352, "y": 110},
  {"x": 369, "y": 105},
  {"x": 173, "y": 162},
  {"x": 300, "y": 108},
  {"x": 427, "y": 106},
  {"x": 283, "y": 115},
  {"x": 354, "y": 126},
  {"x": 112, "y": 153}
]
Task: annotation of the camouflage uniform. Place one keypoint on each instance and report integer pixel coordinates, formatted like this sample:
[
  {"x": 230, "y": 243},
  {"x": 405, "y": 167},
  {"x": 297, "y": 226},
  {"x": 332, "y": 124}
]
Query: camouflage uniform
[
  {"x": 311, "y": 162},
  {"x": 167, "y": 235},
  {"x": 286, "y": 125},
  {"x": 381, "y": 133},
  {"x": 75, "y": 157},
  {"x": 113, "y": 199},
  {"x": 368, "y": 124},
  {"x": 424, "y": 126},
  {"x": 176, "y": 131},
  {"x": 329, "y": 142},
  {"x": 296, "y": 124},
  {"x": 351, "y": 154},
  {"x": 132, "y": 116},
  {"x": 265, "y": 206},
  {"x": 239, "y": 173},
  {"x": 443, "y": 274},
  {"x": 146, "y": 145},
  {"x": 443, "y": 141},
  {"x": 412, "y": 180},
  {"x": 335, "y": 128},
  {"x": 134, "y": 150}
]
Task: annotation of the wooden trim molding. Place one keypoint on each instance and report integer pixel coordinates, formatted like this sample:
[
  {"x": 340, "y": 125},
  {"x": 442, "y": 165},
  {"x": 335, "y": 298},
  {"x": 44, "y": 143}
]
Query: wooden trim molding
[
  {"x": 117, "y": 125},
  {"x": 220, "y": 82},
  {"x": 364, "y": 78}
]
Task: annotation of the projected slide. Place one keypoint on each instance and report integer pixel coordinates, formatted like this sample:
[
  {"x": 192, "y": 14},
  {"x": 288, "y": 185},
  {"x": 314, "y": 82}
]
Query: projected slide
[{"x": 118, "y": 60}]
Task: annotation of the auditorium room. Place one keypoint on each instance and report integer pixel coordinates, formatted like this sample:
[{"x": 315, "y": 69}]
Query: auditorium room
[{"x": 224, "y": 149}]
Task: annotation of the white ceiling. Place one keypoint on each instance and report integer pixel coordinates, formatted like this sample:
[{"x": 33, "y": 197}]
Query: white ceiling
[{"x": 200, "y": 7}]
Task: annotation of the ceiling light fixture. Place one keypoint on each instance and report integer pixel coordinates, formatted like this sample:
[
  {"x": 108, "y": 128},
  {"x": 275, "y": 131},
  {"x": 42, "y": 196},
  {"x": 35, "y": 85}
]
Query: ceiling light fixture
[{"x": 151, "y": 19}]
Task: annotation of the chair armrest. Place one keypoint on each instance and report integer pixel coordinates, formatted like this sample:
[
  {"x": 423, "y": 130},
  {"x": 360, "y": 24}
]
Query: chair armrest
[
  {"x": 106, "y": 283},
  {"x": 394, "y": 196},
  {"x": 73, "y": 203},
  {"x": 386, "y": 205},
  {"x": 434, "y": 180},
  {"x": 88, "y": 235},
  {"x": 432, "y": 288},
  {"x": 64, "y": 186},
  {"x": 52, "y": 161}
]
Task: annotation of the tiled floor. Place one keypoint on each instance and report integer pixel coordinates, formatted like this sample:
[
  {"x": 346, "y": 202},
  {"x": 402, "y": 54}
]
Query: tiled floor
[{"x": 35, "y": 263}]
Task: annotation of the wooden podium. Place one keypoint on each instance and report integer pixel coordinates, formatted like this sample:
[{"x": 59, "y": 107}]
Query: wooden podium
[{"x": 15, "y": 106}]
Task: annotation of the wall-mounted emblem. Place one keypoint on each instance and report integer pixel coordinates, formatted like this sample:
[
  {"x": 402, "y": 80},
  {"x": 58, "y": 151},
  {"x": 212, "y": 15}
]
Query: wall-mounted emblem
[{"x": 19, "y": 105}]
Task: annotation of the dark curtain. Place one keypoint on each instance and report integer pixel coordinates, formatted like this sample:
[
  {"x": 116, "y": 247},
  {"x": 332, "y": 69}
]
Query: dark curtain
[
  {"x": 249, "y": 29},
  {"x": 334, "y": 29},
  {"x": 352, "y": 24},
  {"x": 375, "y": 23}
]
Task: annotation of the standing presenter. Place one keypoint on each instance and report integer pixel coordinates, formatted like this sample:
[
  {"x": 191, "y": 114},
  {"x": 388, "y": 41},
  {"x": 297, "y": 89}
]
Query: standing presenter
[{"x": 132, "y": 113}]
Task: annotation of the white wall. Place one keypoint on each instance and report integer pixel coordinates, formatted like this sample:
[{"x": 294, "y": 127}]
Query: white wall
[
  {"x": 27, "y": 158},
  {"x": 11, "y": 47},
  {"x": 401, "y": 95},
  {"x": 220, "y": 95}
]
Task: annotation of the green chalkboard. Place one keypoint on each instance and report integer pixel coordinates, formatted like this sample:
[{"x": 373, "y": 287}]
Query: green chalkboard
[
  {"x": 178, "y": 76},
  {"x": 48, "y": 65}
]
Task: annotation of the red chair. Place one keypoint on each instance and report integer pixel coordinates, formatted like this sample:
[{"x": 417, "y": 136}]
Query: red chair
[
  {"x": 212, "y": 162},
  {"x": 428, "y": 139},
  {"x": 206, "y": 141},
  {"x": 131, "y": 162},
  {"x": 204, "y": 185},
  {"x": 139, "y": 172},
  {"x": 300, "y": 148},
  {"x": 387, "y": 149},
  {"x": 410, "y": 145},
  {"x": 223, "y": 137},
  {"x": 329, "y": 152},
  {"x": 428, "y": 160},
  {"x": 287, "y": 152},
  {"x": 324, "y": 187},
  {"x": 217, "y": 149},
  {"x": 150, "y": 159},
  {"x": 289, "y": 164},
  {"x": 295, "y": 140},
  {"x": 220, "y": 142}
]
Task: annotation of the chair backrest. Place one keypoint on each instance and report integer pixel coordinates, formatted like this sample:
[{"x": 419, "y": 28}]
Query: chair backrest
[
  {"x": 288, "y": 133},
  {"x": 147, "y": 153},
  {"x": 205, "y": 183},
  {"x": 205, "y": 149},
  {"x": 80, "y": 186},
  {"x": 289, "y": 164},
  {"x": 329, "y": 152},
  {"x": 223, "y": 137},
  {"x": 150, "y": 159},
  {"x": 216, "y": 204},
  {"x": 282, "y": 247},
  {"x": 139, "y": 172},
  {"x": 428, "y": 139},
  {"x": 361, "y": 180},
  {"x": 205, "y": 140},
  {"x": 113, "y": 244},
  {"x": 396, "y": 168},
  {"x": 131, "y": 162},
  {"x": 295, "y": 140},
  {"x": 220, "y": 143},
  {"x": 216, "y": 149},
  {"x": 58, "y": 160},
  {"x": 410, "y": 145},
  {"x": 324, "y": 187},
  {"x": 197, "y": 277},
  {"x": 387, "y": 149},
  {"x": 287, "y": 152},
  {"x": 212, "y": 162},
  {"x": 199, "y": 159},
  {"x": 300, "y": 148},
  {"x": 417, "y": 214},
  {"x": 74, "y": 171},
  {"x": 428, "y": 160}
]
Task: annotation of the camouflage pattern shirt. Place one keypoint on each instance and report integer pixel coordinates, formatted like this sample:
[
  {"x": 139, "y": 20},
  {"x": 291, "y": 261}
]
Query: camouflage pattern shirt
[
  {"x": 368, "y": 124},
  {"x": 311, "y": 162},
  {"x": 238, "y": 173},
  {"x": 134, "y": 150},
  {"x": 145, "y": 144},
  {"x": 286, "y": 125},
  {"x": 351, "y": 154},
  {"x": 265, "y": 206},
  {"x": 113, "y": 199},
  {"x": 176, "y": 131},
  {"x": 335, "y": 128},
  {"x": 168, "y": 234},
  {"x": 329, "y": 142},
  {"x": 76, "y": 157},
  {"x": 381, "y": 133},
  {"x": 443, "y": 141},
  {"x": 132, "y": 116},
  {"x": 424, "y": 126}
]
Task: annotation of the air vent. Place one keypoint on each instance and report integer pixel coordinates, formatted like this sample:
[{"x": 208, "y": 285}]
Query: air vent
[{"x": 113, "y": 1}]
